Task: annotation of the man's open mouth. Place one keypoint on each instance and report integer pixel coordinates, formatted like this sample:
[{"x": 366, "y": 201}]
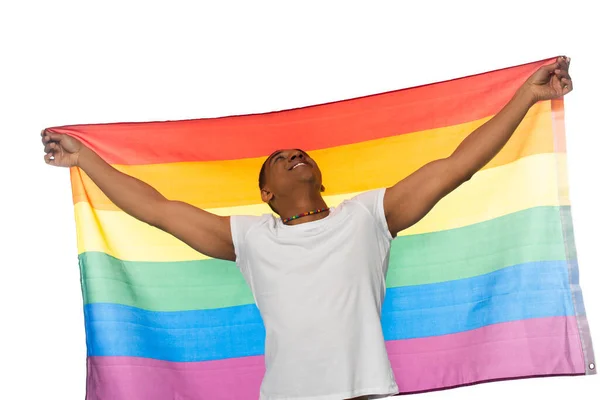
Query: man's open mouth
[{"x": 297, "y": 165}]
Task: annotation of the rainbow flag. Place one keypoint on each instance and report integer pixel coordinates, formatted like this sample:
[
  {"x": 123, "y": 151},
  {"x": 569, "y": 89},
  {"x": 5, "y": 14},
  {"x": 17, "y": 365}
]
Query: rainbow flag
[{"x": 484, "y": 288}]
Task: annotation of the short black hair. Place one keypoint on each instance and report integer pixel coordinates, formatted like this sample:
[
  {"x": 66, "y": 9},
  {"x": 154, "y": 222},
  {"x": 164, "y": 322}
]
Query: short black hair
[
  {"x": 262, "y": 178},
  {"x": 262, "y": 175}
]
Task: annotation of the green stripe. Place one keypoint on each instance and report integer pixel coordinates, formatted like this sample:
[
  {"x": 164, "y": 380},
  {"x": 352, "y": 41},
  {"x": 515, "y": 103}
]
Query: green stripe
[
  {"x": 162, "y": 286},
  {"x": 526, "y": 236}
]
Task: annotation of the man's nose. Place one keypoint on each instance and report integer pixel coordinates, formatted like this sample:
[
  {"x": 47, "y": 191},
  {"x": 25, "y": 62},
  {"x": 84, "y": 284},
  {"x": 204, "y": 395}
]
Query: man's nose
[{"x": 298, "y": 155}]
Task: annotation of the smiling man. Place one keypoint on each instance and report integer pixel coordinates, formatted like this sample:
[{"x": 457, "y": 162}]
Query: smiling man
[{"x": 317, "y": 272}]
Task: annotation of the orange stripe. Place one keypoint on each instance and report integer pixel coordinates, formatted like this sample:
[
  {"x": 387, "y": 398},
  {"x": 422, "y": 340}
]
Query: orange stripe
[
  {"x": 558, "y": 122},
  {"x": 234, "y": 183}
]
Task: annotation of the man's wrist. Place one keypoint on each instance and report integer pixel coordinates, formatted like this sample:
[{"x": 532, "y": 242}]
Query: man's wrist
[
  {"x": 525, "y": 95},
  {"x": 81, "y": 156}
]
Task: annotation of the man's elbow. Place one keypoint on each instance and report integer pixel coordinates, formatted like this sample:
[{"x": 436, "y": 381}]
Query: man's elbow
[
  {"x": 458, "y": 172},
  {"x": 157, "y": 213},
  {"x": 466, "y": 177}
]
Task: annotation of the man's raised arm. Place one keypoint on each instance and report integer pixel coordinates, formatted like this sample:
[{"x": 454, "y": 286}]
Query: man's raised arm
[
  {"x": 207, "y": 233},
  {"x": 411, "y": 199}
]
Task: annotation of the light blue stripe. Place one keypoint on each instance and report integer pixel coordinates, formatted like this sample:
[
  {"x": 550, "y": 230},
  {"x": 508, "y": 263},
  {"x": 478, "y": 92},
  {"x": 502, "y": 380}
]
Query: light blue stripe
[{"x": 531, "y": 290}]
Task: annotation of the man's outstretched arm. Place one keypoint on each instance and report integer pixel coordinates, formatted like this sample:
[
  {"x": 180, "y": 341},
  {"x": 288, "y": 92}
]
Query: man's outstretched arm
[
  {"x": 412, "y": 198},
  {"x": 207, "y": 233}
]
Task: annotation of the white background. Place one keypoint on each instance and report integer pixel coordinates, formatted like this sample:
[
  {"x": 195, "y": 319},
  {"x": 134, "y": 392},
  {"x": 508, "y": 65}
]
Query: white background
[{"x": 73, "y": 62}]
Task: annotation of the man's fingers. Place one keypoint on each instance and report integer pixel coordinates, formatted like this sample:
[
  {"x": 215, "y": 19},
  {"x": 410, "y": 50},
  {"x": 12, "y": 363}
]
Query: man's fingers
[
  {"x": 562, "y": 73},
  {"x": 49, "y": 158},
  {"x": 52, "y": 146},
  {"x": 567, "y": 85},
  {"x": 55, "y": 136},
  {"x": 562, "y": 64},
  {"x": 550, "y": 68},
  {"x": 48, "y": 136},
  {"x": 45, "y": 137}
]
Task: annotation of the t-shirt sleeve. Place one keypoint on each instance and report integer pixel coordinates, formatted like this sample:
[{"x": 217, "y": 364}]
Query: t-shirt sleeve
[
  {"x": 240, "y": 226},
  {"x": 373, "y": 202}
]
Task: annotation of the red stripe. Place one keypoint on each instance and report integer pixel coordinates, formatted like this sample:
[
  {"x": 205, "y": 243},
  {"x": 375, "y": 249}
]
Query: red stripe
[
  {"x": 533, "y": 347},
  {"x": 316, "y": 127}
]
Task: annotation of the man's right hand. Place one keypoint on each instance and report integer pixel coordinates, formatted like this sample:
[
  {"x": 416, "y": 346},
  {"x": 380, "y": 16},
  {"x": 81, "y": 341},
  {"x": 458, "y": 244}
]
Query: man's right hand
[
  {"x": 205, "y": 232},
  {"x": 61, "y": 150}
]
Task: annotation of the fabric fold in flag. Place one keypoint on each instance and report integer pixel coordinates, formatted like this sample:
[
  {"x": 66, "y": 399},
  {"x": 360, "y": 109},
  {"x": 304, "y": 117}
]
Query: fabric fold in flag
[{"x": 485, "y": 287}]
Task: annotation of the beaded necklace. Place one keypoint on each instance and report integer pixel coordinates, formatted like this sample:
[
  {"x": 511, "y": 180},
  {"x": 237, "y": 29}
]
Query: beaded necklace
[{"x": 293, "y": 217}]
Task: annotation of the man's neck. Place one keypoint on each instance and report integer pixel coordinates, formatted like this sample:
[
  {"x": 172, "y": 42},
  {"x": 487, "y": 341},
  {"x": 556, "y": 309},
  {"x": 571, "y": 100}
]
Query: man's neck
[{"x": 301, "y": 203}]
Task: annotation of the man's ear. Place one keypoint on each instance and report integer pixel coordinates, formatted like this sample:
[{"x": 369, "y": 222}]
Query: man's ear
[
  {"x": 322, "y": 188},
  {"x": 265, "y": 195}
]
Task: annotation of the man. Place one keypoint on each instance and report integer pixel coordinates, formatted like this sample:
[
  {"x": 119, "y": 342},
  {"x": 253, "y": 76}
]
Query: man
[{"x": 317, "y": 273}]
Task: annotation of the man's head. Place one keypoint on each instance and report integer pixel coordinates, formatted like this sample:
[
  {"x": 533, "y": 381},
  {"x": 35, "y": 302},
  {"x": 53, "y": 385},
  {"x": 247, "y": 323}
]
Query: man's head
[{"x": 285, "y": 172}]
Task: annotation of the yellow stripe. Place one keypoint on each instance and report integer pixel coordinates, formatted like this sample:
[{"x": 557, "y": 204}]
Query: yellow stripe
[
  {"x": 346, "y": 169},
  {"x": 122, "y": 236},
  {"x": 528, "y": 182}
]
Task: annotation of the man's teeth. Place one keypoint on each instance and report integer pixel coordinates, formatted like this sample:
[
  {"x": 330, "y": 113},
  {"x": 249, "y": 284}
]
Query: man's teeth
[{"x": 297, "y": 165}]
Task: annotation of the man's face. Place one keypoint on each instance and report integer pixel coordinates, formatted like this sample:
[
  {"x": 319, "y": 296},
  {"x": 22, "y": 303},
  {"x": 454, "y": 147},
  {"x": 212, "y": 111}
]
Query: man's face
[{"x": 285, "y": 169}]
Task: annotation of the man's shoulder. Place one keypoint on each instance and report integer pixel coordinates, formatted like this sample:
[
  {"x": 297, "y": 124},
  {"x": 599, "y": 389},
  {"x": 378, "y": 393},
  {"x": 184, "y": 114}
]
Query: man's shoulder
[
  {"x": 368, "y": 199},
  {"x": 249, "y": 222}
]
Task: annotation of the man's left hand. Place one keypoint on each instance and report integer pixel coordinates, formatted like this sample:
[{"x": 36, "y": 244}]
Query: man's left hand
[{"x": 550, "y": 81}]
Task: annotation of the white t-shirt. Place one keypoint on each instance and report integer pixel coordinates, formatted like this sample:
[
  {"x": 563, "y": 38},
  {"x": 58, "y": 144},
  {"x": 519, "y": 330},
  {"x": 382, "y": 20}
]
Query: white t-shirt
[{"x": 319, "y": 287}]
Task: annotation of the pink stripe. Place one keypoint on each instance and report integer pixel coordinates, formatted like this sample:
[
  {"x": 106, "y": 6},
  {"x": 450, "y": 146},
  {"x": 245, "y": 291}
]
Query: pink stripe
[
  {"x": 134, "y": 378},
  {"x": 545, "y": 346},
  {"x": 542, "y": 346}
]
